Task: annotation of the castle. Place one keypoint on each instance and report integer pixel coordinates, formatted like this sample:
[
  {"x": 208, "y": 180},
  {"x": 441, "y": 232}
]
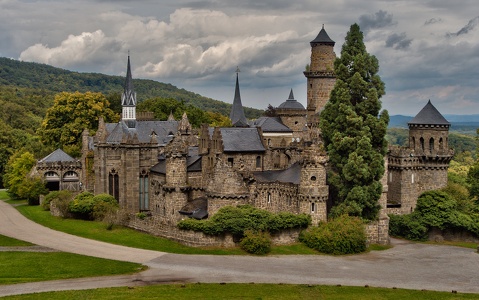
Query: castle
[{"x": 169, "y": 171}]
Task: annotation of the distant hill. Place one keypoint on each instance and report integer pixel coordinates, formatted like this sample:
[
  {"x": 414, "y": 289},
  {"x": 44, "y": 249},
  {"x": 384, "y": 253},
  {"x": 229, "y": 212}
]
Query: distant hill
[
  {"x": 465, "y": 124},
  {"x": 53, "y": 80}
]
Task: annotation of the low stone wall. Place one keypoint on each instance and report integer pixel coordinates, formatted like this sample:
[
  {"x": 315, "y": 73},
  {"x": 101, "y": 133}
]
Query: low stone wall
[
  {"x": 377, "y": 232},
  {"x": 191, "y": 238},
  {"x": 438, "y": 235}
]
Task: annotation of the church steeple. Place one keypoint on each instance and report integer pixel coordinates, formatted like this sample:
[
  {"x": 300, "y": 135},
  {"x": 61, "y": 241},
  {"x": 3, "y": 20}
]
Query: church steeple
[
  {"x": 237, "y": 116},
  {"x": 128, "y": 98}
]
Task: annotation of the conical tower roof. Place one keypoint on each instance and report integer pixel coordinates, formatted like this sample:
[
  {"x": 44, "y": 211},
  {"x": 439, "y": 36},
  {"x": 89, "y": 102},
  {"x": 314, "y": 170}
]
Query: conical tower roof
[
  {"x": 322, "y": 38},
  {"x": 429, "y": 115},
  {"x": 291, "y": 103},
  {"x": 129, "y": 96},
  {"x": 237, "y": 116}
]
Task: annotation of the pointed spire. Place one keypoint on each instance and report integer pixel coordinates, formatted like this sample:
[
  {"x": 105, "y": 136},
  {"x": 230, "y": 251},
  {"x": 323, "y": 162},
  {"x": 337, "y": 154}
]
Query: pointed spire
[
  {"x": 171, "y": 117},
  {"x": 291, "y": 96},
  {"x": 237, "y": 116},
  {"x": 184, "y": 126},
  {"x": 128, "y": 98}
]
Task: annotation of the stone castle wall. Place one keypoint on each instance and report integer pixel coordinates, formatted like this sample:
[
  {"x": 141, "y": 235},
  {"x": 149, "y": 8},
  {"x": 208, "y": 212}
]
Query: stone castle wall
[{"x": 158, "y": 227}]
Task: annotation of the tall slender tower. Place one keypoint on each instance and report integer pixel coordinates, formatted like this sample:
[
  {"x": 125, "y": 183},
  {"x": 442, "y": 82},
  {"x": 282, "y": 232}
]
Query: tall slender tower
[
  {"x": 320, "y": 74},
  {"x": 237, "y": 116},
  {"x": 128, "y": 98}
]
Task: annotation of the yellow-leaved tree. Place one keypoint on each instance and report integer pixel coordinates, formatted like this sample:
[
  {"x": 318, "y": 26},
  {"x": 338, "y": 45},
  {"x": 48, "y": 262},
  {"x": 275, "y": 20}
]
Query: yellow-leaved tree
[{"x": 70, "y": 114}]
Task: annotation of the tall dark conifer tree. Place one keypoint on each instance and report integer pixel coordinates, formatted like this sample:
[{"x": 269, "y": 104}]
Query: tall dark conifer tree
[{"x": 354, "y": 132}]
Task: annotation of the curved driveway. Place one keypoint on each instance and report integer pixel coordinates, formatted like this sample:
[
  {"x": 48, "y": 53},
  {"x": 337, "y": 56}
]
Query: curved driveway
[{"x": 406, "y": 265}]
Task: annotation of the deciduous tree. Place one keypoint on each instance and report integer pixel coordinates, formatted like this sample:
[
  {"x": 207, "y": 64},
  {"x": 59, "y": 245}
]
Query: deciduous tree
[
  {"x": 354, "y": 132},
  {"x": 70, "y": 114}
]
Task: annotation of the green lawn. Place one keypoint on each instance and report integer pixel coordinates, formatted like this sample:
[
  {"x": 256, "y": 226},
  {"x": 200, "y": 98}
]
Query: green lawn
[
  {"x": 247, "y": 291},
  {"x": 132, "y": 238},
  {"x": 4, "y": 195},
  {"x": 17, "y": 267},
  {"x": 6, "y": 241}
]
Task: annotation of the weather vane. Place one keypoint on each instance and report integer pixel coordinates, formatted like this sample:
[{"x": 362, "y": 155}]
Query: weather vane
[{"x": 237, "y": 70}]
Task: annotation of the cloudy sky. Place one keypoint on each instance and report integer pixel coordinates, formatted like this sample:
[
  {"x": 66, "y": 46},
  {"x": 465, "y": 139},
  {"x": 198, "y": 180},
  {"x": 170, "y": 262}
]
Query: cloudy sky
[{"x": 427, "y": 49}]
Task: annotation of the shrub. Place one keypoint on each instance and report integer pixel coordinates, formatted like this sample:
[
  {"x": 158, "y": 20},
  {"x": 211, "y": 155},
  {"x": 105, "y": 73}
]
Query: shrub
[
  {"x": 64, "y": 194},
  {"x": 236, "y": 220},
  {"x": 407, "y": 226},
  {"x": 82, "y": 205},
  {"x": 62, "y": 204},
  {"x": 31, "y": 189},
  {"x": 341, "y": 235},
  {"x": 103, "y": 206},
  {"x": 256, "y": 242}
]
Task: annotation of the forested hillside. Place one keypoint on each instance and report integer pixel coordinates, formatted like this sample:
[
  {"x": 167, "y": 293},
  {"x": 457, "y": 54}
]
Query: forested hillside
[
  {"x": 28, "y": 90},
  {"x": 48, "y": 79}
]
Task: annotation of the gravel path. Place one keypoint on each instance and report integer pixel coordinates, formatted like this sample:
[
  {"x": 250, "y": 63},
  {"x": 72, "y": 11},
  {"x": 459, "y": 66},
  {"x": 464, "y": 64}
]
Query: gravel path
[{"x": 406, "y": 265}]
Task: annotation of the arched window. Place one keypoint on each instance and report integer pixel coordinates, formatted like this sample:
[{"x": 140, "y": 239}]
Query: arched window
[
  {"x": 441, "y": 144},
  {"x": 269, "y": 197},
  {"x": 113, "y": 184},
  {"x": 431, "y": 145},
  {"x": 70, "y": 176},
  {"x": 258, "y": 162},
  {"x": 421, "y": 140},
  {"x": 313, "y": 208}
]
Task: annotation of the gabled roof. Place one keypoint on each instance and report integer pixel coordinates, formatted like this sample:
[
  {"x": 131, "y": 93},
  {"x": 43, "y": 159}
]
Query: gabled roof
[
  {"x": 241, "y": 140},
  {"x": 289, "y": 175},
  {"x": 429, "y": 115},
  {"x": 237, "y": 116},
  {"x": 271, "y": 124},
  {"x": 291, "y": 103},
  {"x": 322, "y": 38},
  {"x": 57, "y": 156},
  {"x": 164, "y": 131}
]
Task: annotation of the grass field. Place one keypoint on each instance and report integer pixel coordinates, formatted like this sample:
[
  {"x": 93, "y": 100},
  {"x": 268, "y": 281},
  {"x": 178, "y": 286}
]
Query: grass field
[
  {"x": 17, "y": 267},
  {"x": 132, "y": 238},
  {"x": 6, "y": 241},
  {"x": 247, "y": 291}
]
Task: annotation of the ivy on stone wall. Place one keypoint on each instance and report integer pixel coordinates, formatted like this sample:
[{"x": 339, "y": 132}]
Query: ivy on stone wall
[{"x": 237, "y": 220}]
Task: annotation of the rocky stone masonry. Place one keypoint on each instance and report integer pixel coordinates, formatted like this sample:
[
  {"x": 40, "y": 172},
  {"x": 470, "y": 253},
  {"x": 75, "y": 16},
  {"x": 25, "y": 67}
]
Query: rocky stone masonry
[{"x": 158, "y": 227}]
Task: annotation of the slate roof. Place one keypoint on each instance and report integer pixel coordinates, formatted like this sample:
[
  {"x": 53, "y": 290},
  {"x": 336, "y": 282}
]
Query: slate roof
[
  {"x": 291, "y": 103},
  {"x": 193, "y": 162},
  {"x": 289, "y": 175},
  {"x": 237, "y": 116},
  {"x": 429, "y": 115},
  {"x": 197, "y": 208},
  {"x": 143, "y": 129},
  {"x": 322, "y": 38},
  {"x": 241, "y": 140},
  {"x": 57, "y": 156},
  {"x": 271, "y": 124}
]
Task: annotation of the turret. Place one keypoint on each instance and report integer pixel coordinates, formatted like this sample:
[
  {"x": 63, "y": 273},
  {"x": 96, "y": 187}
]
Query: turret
[{"x": 320, "y": 72}]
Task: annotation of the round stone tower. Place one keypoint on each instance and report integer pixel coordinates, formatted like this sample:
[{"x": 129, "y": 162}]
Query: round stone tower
[{"x": 320, "y": 73}]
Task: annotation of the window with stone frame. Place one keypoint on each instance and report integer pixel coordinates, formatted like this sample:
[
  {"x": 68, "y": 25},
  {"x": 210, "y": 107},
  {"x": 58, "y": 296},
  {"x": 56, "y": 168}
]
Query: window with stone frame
[
  {"x": 113, "y": 184},
  {"x": 258, "y": 162},
  {"x": 144, "y": 197}
]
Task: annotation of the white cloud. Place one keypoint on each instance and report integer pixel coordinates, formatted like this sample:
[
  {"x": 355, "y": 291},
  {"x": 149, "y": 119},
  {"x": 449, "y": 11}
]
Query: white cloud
[{"x": 198, "y": 44}]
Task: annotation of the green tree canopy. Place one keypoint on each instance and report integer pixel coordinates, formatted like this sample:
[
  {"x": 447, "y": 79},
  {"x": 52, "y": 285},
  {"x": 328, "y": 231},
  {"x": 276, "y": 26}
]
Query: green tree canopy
[
  {"x": 353, "y": 131},
  {"x": 162, "y": 107},
  {"x": 18, "y": 166},
  {"x": 70, "y": 114}
]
